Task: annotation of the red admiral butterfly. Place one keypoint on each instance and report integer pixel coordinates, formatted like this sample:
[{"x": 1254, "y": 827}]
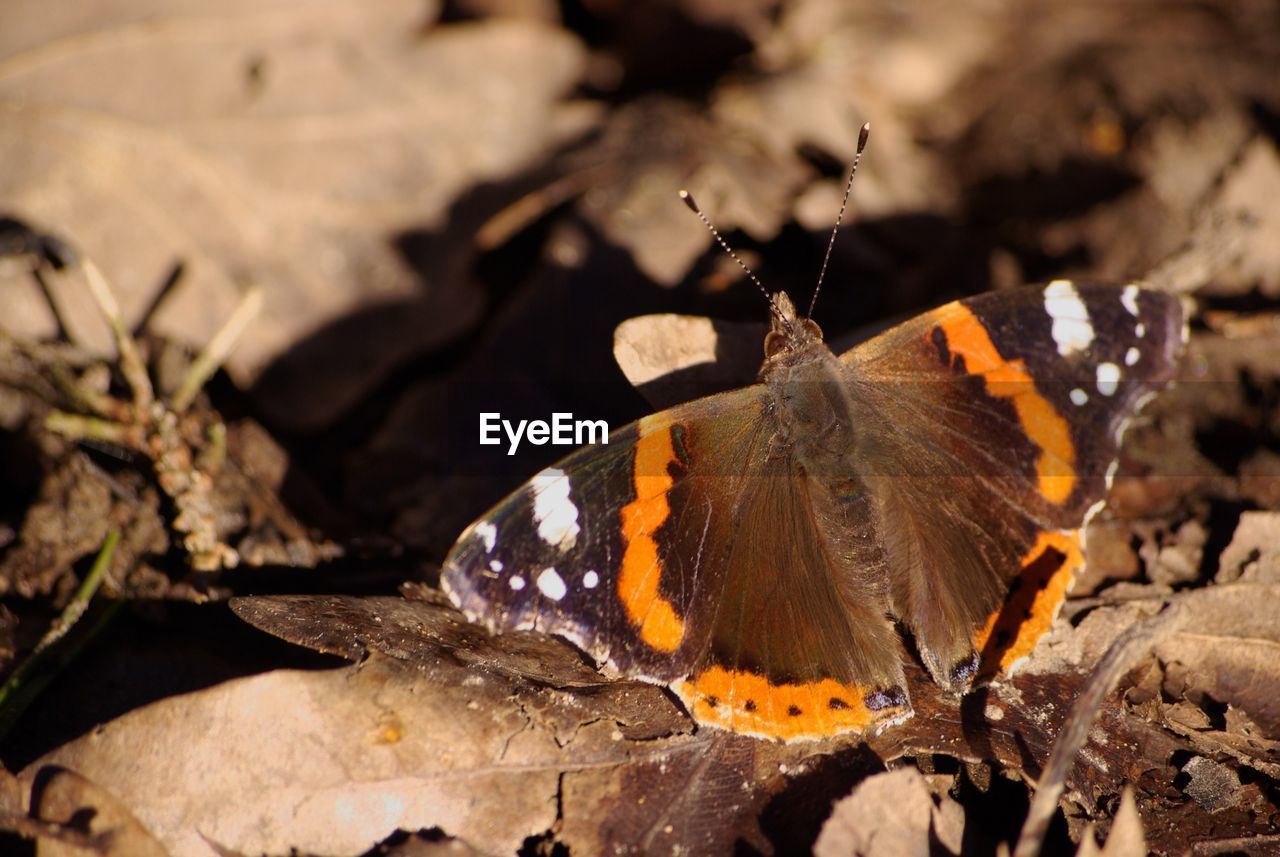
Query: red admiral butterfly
[{"x": 752, "y": 549}]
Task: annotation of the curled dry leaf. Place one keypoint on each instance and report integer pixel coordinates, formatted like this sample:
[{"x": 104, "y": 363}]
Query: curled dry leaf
[
  {"x": 285, "y": 143},
  {"x": 1125, "y": 838},
  {"x": 673, "y": 359},
  {"x": 892, "y": 814},
  {"x": 1254, "y": 551}
]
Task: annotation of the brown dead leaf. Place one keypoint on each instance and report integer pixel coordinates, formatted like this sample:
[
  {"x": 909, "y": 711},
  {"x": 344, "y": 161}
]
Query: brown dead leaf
[
  {"x": 826, "y": 68},
  {"x": 672, "y": 359},
  {"x": 1260, "y": 479},
  {"x": 1125, "y": 838},
  {"x": 894, "y": 814},
  {"x": 652, "y": 148},
  {"x": 624, "y": 755},
  {"x": 650, "y": 787},
  {"x": 809, "y": 87},
  {"x": 284, "y": 143},
  {"x": 66, "y": 798},
  {"x": 1248, "y": 193},
  {"x": 452, "y": 729},
  {"x": 328, "y": 762},
  {"x": 1254, "y": 552},
  {"x": 1239, "y": 671},
  {"x": 1212, "y": 785}
]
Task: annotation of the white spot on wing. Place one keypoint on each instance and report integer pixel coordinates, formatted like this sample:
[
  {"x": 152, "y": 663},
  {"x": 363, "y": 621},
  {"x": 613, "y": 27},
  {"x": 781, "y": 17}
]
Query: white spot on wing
[
  {"x": 1108, "y": 378},
  {"x": 1078, "y": 396},
  {"x": 1129, "y": 297},
  {"x": 495, "y": 565},
  {"x": 1072, "y": 331},
  {"x": 516, "y": 582},
  {"x": 555, "y": 513},
  {"x": 1131, "y": 356},
  {"x": 551, "y": 584},
  {"x": 590, "y": 580},
  {"x": 1140, "y": 330},
  {"x": 488, "y": 533}
]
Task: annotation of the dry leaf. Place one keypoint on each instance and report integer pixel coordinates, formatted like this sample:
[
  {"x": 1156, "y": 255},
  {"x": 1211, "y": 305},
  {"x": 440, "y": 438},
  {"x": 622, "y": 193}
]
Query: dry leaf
[
  {"x": 328, "y": 762},
  {"x": 892, "y": 815},
  {"x": 673, "y": 359},
  {"x": 1249, "y": 191},
  {"x": 449, "y": 728},
  {"x": 291, "y": 144},
  {"x": 1125, "y": 838},
  {"x": 64, "y": 797},
  {"x": 1212, "y": 785},
  {"x": 652, "y": 148}
]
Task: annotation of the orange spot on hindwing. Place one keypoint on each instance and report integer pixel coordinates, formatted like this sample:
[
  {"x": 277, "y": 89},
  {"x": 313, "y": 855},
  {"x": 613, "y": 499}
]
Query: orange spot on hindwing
[
  {"x": 659, "y": 625},
  {"x": 750, "y": 704},
  {"x": 1035, "y": 595},
  {"x": 1009, "y": 379}
]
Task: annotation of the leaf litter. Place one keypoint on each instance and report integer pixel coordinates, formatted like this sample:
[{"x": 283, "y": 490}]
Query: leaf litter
[{"x": 385, "y": 171}]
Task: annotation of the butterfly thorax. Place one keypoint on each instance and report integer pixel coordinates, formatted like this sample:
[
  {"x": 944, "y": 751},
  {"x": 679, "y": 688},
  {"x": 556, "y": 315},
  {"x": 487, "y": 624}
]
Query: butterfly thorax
[{"x": 810, "y": 395}]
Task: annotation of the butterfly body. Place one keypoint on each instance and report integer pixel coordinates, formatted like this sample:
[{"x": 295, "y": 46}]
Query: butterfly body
[{"x": 758, "y": 550}]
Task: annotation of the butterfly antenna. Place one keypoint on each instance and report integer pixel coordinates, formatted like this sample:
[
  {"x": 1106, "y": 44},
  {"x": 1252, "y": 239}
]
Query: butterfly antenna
[
  {"x": 724, "y": 245},
  {"x": 844, "y": 203}
]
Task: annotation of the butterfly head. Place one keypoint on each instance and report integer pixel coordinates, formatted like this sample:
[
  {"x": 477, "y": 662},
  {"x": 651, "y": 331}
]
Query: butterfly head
[{"x": 788, "y": 332}]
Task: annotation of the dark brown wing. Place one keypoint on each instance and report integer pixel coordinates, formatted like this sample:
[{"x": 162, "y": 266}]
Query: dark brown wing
[
  {"x": 686, "y": 552},
  {"x": 991, "y": 427}
]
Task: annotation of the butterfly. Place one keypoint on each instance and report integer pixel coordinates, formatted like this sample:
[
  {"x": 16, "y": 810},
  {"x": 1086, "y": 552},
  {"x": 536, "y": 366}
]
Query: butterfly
[{"x": 760, "y": 550}]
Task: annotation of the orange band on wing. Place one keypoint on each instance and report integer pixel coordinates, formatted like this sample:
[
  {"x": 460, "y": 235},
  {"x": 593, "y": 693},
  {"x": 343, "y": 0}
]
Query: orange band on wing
[
  {"x": 1008, "y": 379},
  {"x": 660, "y": 626},
  {"x": 750, "y": 704},
  {"x": 1035, "y": 596}
]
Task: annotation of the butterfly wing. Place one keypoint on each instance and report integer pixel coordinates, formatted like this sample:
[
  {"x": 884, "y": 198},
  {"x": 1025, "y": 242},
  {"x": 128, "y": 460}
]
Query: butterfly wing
[
  {"x": 992, "y": 427},
  {"x": 688, "y": 552}
]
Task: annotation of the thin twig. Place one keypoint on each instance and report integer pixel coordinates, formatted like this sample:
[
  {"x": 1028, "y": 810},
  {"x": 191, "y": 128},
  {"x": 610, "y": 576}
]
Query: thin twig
[
  {"x": 80, "y": 428},
  {"x": 26, "y": 682},
  {"x": 215, "y": 353},
  {"x": 135, "y": 371},
  {"x": 80, "y": 602},
  {"x": 89, "y": 399},
  {"x": 1127, "y": 649}
]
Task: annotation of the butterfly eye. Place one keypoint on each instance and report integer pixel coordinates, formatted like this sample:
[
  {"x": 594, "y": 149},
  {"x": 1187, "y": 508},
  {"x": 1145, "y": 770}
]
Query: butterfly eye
[{"x": 775, "y": 342}]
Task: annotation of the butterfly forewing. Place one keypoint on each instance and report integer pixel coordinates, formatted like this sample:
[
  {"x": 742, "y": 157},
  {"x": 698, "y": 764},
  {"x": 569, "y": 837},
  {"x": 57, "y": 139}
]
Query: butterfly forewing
[
  {"x": 614, "y": 546},
  {"x": 995, "y": 423}
]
